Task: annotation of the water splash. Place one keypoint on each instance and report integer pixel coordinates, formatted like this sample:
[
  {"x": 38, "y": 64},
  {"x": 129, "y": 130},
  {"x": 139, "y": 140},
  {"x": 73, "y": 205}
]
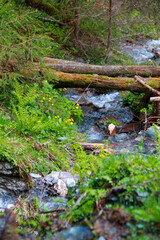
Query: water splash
[
  {"x": 141, "y": 53},
  {"x": 108, "y": 101}
]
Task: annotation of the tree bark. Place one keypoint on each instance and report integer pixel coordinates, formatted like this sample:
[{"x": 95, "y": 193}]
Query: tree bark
[
  {"x": 110, "y": 71},
  {"x": 73, "y": 80},
  {"x": 75, "y": 74}
]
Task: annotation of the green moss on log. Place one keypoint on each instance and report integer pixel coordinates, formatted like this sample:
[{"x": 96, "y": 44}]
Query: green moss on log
[
  {"x": 154, "y": 83},
  {"x": 46, "y": 6}
]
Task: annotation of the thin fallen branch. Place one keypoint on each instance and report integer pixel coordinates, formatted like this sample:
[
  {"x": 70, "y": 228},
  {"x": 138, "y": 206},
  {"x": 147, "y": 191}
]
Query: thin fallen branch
[
  {"x": 77, "y": 202},
  {"x": 142, "y": 81},
  {"x": 3, "y": 110},
  {"x": 54, "y": 210},
  {"x": 53, "y": 20}
]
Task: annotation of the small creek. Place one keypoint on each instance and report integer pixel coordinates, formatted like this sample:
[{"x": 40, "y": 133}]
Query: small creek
[
  {"x": 97, "y": 109},
  {"x": 141, "y": 51}
]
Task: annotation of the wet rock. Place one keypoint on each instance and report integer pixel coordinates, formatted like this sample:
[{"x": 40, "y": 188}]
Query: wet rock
[
  {"x": 121, "y": 116},
  {"x": 102, "y": 122},
  {"x": 6, "y": 168},
  {"x": 121, "y": 137},
  {"x": 8, "y": 165},
  {"x": 35, "y": 175},
  {"x": 138, "y": 139},
  {"x": 50, "y": 204},
  {"x": 10, "y": 189},
  {"x": 95, "y": 135},
  {"x": 74, "y": 233},
  {"x": 7, "y": 200},
  {"x": 15, "y": 185},
  {"x": 124, "y": 115},
  {"x": 151, "y": 132},
  {"x": 46, "y": 195}
]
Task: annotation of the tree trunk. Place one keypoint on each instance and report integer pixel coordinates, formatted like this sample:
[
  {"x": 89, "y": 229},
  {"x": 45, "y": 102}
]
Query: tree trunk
[
  {"x": 109, "y": 30},
  {"x": 110, "y": 71},
  {"x": 76, "y": 20},
  {"x": 73, "y": 80},
  {"x": 75, "y": 74}
]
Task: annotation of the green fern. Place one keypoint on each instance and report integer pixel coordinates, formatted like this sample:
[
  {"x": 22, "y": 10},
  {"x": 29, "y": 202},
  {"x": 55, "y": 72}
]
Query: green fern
[{"x": 28, "y": 121}]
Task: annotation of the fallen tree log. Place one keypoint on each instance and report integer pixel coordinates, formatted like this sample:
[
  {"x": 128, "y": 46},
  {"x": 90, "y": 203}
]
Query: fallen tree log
[
  {"x": 106, "y": 70},
  {"x": 61, "y": 79},
  {"x": 72, "y": 80}
]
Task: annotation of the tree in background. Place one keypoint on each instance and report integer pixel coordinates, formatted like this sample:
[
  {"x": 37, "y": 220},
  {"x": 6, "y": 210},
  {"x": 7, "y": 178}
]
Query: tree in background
[{"x": 87, "y": 24}]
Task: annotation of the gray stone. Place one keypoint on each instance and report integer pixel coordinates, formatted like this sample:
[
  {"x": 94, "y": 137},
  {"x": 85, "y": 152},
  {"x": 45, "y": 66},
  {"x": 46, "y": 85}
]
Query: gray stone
[
  {"x": 6, "y": 200},
  {"x": 66, "y": 177},
  {"x": 70, "y": 182},
  {"x": 123, "y": 115},
  {"x": 49, "y": 204},
  {"x": 13, "y": 184},
  {"x": 139, "y": 139},
  {"x": 51, "y": 178},
  {"x": 121, "y": 137},
  {"x": 8, "y": 166},
  {"x": 74, "y": 233},
  {"x": 35, "y": 175},
  {"x": 151, "y": 132},
  {"x": 6, "y": 172}
]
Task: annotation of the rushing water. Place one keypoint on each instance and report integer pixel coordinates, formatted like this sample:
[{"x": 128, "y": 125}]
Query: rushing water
[
  {"x": 109, "y": 106},
  {"x": 141, "y": 52}
]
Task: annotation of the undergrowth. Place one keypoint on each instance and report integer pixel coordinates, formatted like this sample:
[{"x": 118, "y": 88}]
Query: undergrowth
[
  {"x": 36, "y": 122},
  {"x": 133, "y": 184}
]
